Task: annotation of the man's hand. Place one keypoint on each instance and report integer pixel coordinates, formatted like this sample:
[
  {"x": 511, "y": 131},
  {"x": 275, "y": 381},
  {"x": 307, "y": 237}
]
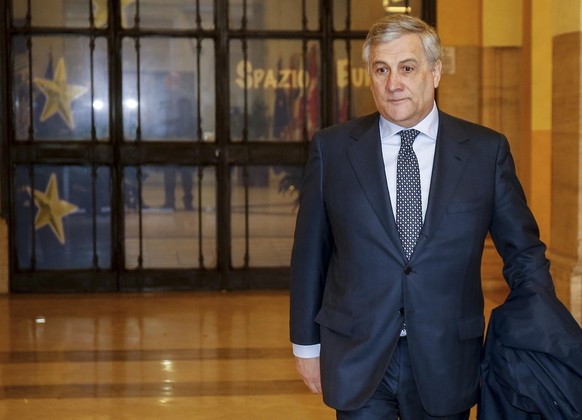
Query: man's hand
[{"x": 309, "y": 370}]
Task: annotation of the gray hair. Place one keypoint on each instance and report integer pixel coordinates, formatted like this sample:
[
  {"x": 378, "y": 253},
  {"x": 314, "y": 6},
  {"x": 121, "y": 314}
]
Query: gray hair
[{"x": 394, "y": 26}]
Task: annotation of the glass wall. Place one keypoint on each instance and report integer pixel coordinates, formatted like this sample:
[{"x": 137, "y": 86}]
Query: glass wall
[{"x": 160, "y": 144}]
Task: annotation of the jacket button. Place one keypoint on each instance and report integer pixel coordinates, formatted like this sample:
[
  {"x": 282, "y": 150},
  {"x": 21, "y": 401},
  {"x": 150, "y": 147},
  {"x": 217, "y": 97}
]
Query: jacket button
[
  {"x": 401, "y": 311},
  {"x": 407, "y": 270}
]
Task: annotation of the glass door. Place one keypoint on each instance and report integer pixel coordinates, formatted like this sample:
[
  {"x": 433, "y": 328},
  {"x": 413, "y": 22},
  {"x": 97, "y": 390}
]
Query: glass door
[{"x": 160, "y": 144}]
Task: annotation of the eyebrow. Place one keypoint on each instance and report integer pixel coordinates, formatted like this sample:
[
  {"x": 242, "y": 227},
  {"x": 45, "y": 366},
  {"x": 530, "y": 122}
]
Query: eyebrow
[
  {"x": 409, "y": 61},
  {"x": 400, "y": 63}
]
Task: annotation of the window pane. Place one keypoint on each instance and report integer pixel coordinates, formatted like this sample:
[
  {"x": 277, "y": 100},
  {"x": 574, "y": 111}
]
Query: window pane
[
  {"x": 264, "y": 209},
  {"x": 63, "y": 213},
  {"x": 363, "y": 13},
  {"x": 72, "y": 13},
  {"x": 274, "y": 14},
  {"x": 55, "y": 13},
  {"x": 20, "y": 92},
  {"x": 172, "y": 14},
  {"x": 177, "y": 217},
  {"x": 351, "y": 72},
  {"x": 172, "y": 102},
  {"x": 361, "y": 16},
  {"x": 64, "y": 99},
  {"x": 275, "y": 90}
]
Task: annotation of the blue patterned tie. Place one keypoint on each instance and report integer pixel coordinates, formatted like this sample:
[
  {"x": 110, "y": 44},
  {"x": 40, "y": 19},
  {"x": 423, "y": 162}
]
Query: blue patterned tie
[{"x": 408, "y": 198}]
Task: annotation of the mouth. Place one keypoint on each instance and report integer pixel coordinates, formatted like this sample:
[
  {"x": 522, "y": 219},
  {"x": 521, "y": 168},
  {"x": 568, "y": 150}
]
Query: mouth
[{"x": 397, "y": 101}]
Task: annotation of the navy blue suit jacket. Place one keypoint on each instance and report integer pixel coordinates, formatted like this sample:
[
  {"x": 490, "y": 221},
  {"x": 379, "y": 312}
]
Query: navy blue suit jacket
[{"x": 350, "y": 278}]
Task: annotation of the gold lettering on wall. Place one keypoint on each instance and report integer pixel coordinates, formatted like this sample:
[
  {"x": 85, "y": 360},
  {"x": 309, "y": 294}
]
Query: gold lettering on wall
[
  {"x": 257, "y": 78},
  {"x": 289, "y": 78}
]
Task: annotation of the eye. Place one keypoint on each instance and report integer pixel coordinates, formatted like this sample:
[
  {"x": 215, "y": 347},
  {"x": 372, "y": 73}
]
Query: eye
[
  {"x": 407, "y": 69},
  {"x": 381, "y": 70}
]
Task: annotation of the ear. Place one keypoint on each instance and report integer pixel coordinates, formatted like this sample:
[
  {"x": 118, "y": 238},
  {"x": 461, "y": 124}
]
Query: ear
[{"x": 436, "y": 73}]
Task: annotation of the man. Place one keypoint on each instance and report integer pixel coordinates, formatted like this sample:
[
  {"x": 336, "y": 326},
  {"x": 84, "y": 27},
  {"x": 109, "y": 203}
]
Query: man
[
  {"x": 386, "y": 301},
  {"x": 180, "y": 124}
]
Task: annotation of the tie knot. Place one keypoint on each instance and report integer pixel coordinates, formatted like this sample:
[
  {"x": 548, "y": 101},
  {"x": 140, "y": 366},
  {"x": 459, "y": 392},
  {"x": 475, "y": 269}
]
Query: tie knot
[{"x": 407, "y": 137}]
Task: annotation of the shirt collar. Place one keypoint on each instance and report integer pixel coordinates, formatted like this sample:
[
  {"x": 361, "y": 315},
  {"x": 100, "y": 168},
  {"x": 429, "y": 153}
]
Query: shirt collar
[{"x": 428, "y": 126}]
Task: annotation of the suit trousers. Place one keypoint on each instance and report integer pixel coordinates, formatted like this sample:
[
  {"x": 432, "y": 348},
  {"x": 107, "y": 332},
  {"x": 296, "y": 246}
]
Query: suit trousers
[{"x": 397, "y": 395}]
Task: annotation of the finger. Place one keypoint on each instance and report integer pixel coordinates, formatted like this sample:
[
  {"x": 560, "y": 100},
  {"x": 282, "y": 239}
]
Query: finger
[{"x": 313, "y": 387}]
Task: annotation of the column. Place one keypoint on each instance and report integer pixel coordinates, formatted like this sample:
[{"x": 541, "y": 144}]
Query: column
[{"x": 566, "y": 252}]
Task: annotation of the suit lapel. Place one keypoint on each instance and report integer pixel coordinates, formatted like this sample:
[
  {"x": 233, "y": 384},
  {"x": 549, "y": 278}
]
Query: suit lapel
[
  {"x": 451, "y": 157},
  {"x": 365, "y": 155}
]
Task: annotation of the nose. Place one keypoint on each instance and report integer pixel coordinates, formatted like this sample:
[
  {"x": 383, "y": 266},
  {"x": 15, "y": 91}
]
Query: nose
[{"x": 393, "y": 81}]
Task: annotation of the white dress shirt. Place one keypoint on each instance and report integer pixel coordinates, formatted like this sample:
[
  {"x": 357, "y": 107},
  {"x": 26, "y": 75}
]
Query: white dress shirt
[{"x": 424, "y": 147}]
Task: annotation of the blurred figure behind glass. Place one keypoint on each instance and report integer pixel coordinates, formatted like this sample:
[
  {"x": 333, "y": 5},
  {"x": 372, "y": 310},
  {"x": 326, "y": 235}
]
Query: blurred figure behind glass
[{"x": 179, "y": 124}]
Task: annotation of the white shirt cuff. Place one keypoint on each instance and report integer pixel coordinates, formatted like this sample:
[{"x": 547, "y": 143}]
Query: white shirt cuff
[{"x": 306, "y": 352}]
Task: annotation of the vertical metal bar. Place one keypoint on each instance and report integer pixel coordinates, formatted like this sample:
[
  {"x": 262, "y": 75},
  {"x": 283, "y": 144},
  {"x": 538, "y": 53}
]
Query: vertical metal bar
[
  {"x": 6, "y": 104},
  {"x": 245, "y": 139},
  {"x": 244, "y": 16},
  {"x": 31, "y": 175},
  {"x": 306, "y": 81},
  {"x": 30, "y": 91},
  {"x": 246, "y": 178},
  {"x": 137, "y": 43},
  {"x": 304, "y": 90},
  {"x": 137, "y": 16},
  {"x": 6, "y": 99},
  {"x": 93, "y": 137},
  {"x": 200, "y": 176},
  {"x": 349, "y": 87},
  {"x": 198, "y": 15},
  {"x": 31, "y": 170},
  {"x": 222, "y": 89},
  {"x": 348, "y": 15},
  {"x": 199, "y": 133},
  {"x": 92, "y": 81},
  {"x": 306, "y": 70},
  {"x": 199, "y": 136},
  {"x": 91, "y": 15},
  {"x": 139, "y": 216},
  {"x": 327, "y": 65},
  {"x": 94, "y": 215},
  {"x": 114, "y": 46},
  {"x": 349, "y": 56}
]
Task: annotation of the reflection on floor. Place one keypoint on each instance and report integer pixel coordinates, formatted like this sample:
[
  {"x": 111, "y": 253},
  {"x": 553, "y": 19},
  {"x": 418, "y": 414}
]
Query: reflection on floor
[{"x": 152, "y": 356}]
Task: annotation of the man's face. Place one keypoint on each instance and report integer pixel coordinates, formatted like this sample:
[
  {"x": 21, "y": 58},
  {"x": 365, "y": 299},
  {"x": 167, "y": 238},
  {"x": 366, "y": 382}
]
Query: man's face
[{"x": 403, "y": 84}]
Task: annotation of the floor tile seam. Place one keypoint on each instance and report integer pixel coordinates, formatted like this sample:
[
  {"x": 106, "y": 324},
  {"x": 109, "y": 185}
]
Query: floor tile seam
[{"x": 89, "y": 356}]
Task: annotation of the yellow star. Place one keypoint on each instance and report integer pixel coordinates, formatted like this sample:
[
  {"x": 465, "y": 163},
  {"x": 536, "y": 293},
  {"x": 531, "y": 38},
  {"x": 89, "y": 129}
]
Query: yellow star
[
  {"x": 51, "y": 209},
  {"x": 100, "y": 12},
  {"x": 59, "y": 95}
]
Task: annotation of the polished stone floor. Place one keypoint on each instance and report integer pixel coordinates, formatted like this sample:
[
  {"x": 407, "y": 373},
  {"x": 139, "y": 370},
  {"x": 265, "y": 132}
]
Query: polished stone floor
[{"x": 191, "y": 355}]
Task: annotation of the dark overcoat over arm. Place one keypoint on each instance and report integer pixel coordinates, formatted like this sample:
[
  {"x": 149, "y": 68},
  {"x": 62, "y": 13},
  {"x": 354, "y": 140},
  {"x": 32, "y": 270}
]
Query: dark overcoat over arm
[{"x": 532, "y": 366}]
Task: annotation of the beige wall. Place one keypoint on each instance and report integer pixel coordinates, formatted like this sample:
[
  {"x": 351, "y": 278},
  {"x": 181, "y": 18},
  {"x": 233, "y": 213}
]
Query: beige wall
[
  {"x": 502, "y": 23},
  {"x": 486, "y": 84},
  {"x": 566, "y": 16},
  {"x": 540, "y": 51},
  {"x": 459, "y": 22},
  {"x": 459, "y": 27},
  {"x": 503, "y": 80}
]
